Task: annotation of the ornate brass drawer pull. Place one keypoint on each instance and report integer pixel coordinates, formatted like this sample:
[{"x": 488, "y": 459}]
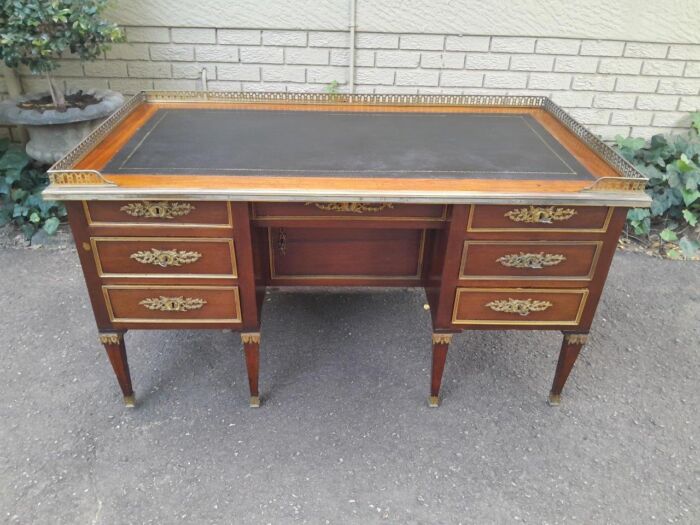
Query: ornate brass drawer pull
[
  {"x": 531, "y": 260},
  {"x": 172, "y": 304},
  {"x": 535, "y": 214},
  {"x": 518, "y": 306},
  {"x": 351, "y": 207},
  {"x": 158, "y": 210},
  {"x": 165, "y": 258}
]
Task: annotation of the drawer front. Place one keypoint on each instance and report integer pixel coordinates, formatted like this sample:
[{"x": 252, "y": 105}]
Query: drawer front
[
  {"x": 327, "y": 253},
  {"x": 164, "y": 257},
  {"x": 523, "y": 218},
  {"x": 518, "y": 306},
  {"x": 529, "y": 260},
  {"x": 158, "y": 213},
  {"x": 172, "y": 304},
  {"x": 347, "y": 210}
]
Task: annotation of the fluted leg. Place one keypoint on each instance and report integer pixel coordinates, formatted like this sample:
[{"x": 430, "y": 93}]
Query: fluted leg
[
  {"x": 251, "y": 347},
  {"x": 440, "y": 344},
  {"x": 570, "y": 348},
  {"x": 116, "y": 351}
]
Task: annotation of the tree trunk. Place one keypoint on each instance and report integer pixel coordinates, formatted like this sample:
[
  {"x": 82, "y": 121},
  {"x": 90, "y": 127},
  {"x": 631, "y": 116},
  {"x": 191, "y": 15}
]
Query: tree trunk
[{"x": 56, "y": 94}]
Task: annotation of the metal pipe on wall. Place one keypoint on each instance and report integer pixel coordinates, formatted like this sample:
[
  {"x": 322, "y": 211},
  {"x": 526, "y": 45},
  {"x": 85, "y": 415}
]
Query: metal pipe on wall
[{"x": 353, "y": 24}]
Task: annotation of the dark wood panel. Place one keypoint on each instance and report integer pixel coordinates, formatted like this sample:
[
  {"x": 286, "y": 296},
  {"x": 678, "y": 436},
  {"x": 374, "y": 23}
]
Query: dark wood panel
[
  {"x": 529, "y": 218},
  {"x": 345, "y": 253},
  {"x": 172, "y": 304},
  {"x": 535, "y": 307},
  {"x": 164, "y": 257},
  {"x": 179, "y": 213},
  {"x": 529, "y": 260}
]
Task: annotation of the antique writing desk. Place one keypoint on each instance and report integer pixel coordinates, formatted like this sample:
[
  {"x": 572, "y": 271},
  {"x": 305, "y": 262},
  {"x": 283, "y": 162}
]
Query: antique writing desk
[{"x": 185, "y": 206}]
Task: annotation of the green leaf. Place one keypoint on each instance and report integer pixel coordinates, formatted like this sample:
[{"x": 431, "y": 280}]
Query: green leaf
[
  {"x": 689, "y": 197},
  {"x": 690, "y": 217},
  {"x": 35, "y": 218},
  {"x": 689, "y": 247},
  {"x": 674, "y": 254},
  {"x": 51, "y": 225},
  {"x": 668, "y": 235},
  {"x": 695, "y": 119},
  {"x": 14, "y": 158}
]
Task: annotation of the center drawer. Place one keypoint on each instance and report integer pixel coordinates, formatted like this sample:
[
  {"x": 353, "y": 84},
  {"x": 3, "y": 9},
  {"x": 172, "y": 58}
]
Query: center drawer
[
  {"x": 164, "y": 257},
  {"x": 349, "y": 211}
]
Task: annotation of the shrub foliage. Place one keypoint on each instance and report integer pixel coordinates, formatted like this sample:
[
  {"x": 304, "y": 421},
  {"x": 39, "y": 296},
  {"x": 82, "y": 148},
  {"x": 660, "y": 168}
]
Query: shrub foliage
[{"x": 672, "y": 164}]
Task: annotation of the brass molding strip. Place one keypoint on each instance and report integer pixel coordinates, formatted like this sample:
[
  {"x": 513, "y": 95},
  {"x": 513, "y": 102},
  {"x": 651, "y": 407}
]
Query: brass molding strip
[
  {"x": 90, "y": 222},
  {"x": 94, "y": 242},
  {"x": 602, "y": 229},
  {"x": 275, "y": 275},
  {"x": 591, "y": 272},
  {"x": 582, "y": 292},
  {"x": 174, "y": 288}
]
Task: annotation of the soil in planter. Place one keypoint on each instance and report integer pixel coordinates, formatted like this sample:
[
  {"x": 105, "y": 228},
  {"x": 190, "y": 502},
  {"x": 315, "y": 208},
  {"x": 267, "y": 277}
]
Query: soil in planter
[{"x": 74, "y": 100}]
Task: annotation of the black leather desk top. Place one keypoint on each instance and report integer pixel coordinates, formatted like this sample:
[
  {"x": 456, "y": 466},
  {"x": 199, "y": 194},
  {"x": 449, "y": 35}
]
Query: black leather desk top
[{"x": 337, "y": 144}]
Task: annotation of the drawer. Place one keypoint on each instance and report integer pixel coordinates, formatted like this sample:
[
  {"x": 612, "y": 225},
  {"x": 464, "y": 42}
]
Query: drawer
[
  {"x": 518, "y": 306},
  {"x": 172, "y": 304},
  {"x": 574, "y": 260},
  {"x": 161, "y": 213},
  {"x": 348, "y": 253},
  {"x": 524, "y": 218},
  {"x": 349, "y": 210},
  {"x": 164, "y": 257}
]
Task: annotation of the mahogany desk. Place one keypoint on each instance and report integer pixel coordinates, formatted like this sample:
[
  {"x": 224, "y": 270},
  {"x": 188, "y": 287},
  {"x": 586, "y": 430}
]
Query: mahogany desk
[{"x": 185, "y": 206}]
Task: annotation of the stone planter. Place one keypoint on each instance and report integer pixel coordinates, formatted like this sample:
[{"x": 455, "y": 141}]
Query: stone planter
[{"x": 52, "y": 133}]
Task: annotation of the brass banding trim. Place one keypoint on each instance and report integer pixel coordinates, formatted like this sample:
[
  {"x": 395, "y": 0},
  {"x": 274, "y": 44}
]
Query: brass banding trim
[
  {"x": 173, "y": 289},
  {"x": 98, "y": 262},
  {"x": 554, "y": 322},
  {"x": 594, "y": 262},
  {"x": 602, "y": 229}
]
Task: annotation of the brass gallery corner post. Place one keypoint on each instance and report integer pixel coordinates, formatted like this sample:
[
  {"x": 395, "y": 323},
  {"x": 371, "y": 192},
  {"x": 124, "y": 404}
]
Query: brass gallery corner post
[{"x": 183, "y": 217}]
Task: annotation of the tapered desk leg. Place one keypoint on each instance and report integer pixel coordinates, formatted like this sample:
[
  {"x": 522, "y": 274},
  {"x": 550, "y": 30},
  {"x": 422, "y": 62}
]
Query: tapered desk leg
[
  {"x": 570, "y": 348},
  {"x": 440, "y": 344},
  {"x": 116, "y": 351},
  {"x": 251, "y": 347}
]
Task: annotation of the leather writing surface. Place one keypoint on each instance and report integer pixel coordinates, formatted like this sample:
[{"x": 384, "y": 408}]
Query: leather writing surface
[{"x": 346, "y": 144}]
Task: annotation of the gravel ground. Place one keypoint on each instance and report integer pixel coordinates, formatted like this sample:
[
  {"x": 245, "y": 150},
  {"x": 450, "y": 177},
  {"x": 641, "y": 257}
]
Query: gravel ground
[{"x": 344, "y": 434}]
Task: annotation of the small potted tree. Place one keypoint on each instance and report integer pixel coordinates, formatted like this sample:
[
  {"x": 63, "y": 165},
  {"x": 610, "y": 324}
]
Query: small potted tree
[{"x": 37, "y": 33}]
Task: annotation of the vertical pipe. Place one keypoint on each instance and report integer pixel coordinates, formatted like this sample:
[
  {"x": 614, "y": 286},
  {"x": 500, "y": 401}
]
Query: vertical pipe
[
  {"x": 353, "y": 24},
  {"x": 14, "y": 89}
]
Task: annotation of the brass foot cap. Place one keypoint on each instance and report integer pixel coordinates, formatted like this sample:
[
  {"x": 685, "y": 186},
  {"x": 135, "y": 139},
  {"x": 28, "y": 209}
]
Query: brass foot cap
[
  {"x": 130, "y": 401},
  {"x": 254, "y": 402},
  {"x": 433, "y": 401},
  {"x": 554, "y": 400}
]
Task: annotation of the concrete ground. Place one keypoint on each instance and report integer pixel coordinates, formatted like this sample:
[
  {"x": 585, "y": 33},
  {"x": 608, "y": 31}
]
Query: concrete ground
[{"x": 344, "y": 434}]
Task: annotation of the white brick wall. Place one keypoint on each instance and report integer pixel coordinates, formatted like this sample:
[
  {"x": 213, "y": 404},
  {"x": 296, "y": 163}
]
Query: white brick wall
[{"x": 614, "y": 87}]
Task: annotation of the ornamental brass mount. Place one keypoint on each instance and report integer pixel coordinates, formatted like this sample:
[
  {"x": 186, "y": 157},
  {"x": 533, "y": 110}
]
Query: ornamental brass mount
[
  {"x": 576, "y": 339},
  {"x": 519, "y": 306},
  {"x": 110, "y": 339},
  {"x": 251, "y": 337},
  {"x": 534, "y": 261},
  {"x": 158, "y": 210},
  {"x": 165, "y": 258},
  {"x": 173, "y": 304},
  {"x": 64, "y": 172},
  {"x": 351, "y": 207},
  {"x": 536, "y": 214},
  {"x": 442, "y": 339}
]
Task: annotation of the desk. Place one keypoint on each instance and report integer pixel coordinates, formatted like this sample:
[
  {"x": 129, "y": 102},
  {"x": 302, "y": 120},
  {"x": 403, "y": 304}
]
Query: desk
[{"x": 185, "y": 206}]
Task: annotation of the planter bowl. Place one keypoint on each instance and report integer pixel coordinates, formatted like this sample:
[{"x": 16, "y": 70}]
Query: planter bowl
[{"x": 53, "y": 133}]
